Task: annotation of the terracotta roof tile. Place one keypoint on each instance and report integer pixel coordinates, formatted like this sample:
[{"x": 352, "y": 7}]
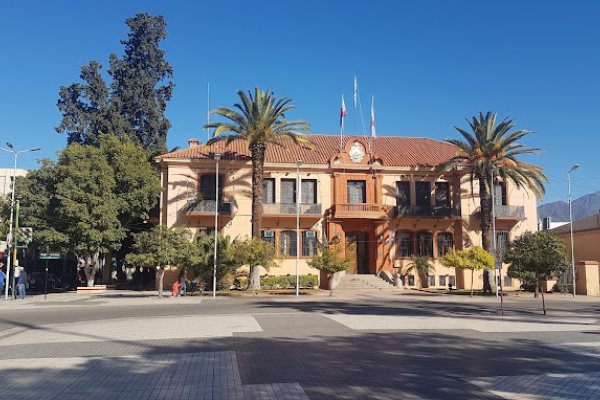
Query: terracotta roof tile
[{"x": 395, "y": 151}]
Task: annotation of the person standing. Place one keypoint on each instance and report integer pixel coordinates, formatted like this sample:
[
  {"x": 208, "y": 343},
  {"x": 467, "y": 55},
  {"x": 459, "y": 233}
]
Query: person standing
[
  {"x": 21, "y": 282},
  {"x": 2, "y": 278},
  {"x": 182, "y": 282}
]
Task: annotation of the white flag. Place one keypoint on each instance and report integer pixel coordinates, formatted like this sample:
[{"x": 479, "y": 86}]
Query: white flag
[{"x": 373, "y": 133}]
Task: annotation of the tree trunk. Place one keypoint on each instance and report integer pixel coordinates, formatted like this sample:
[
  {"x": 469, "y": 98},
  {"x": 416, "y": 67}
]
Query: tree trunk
[
  {"x": 254, "y": 282},
  {"x": 160, "y": 274},
  {"x": 258, "y": 162},
  {"x": 543, "y": 300},
  {"x": 485, "y": 215},
  {"x": 331, "y": 284},
  {"x": 536, "y": 290},
  {"x": 89, "y": 264},
  {"x": 472, "y": 272}
]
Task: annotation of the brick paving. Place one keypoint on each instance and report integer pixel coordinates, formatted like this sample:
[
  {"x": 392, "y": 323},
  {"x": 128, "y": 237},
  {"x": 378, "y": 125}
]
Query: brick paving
[{"x": 394, "y": 347}]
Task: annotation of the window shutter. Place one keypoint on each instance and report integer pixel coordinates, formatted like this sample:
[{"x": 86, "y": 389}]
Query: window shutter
[
  {"x": 288, "y": 191},
  {"x": 309, "y": 191}
]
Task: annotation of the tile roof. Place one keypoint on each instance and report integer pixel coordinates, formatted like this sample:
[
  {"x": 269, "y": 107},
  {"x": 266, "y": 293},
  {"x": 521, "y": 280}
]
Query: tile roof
[
  {"x": 586, "y": 224},
  {"x": 394, "y": 151}
]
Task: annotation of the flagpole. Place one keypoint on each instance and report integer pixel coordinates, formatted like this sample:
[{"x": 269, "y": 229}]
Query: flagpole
[{"x": 342, "y": 115}]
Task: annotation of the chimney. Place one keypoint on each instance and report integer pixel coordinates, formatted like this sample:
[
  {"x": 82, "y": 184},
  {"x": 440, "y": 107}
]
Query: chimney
[{"x": 193, "y": 142}]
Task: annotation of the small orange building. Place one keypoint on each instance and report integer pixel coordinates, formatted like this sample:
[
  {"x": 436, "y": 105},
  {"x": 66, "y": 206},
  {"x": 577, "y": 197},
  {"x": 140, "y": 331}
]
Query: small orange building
[{"x": 380, "y": 194}]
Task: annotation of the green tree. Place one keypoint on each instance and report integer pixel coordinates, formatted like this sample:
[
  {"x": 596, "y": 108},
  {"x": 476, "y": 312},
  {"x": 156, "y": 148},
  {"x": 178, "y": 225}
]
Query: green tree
[
  {"x": 134, "y": 104},
  {"x": 421, "y": 266},
  {"x": 201, "y": 261},
  {"x": 540, "y": 254},
  {"x": 86, "y": 201},
  {"x": 330, "y": 259},
  {"x": 473, "y": 258},
  {"x": 159, "y": 248},
  {"x": 259, "y": 119},
  {"x": 255, "y": 252},
  {"x": 489, "y": 150}
]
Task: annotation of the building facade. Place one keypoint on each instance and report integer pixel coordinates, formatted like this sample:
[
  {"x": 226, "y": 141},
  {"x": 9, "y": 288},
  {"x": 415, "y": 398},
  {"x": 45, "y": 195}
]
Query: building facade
[{"x": 380, "y": 195}]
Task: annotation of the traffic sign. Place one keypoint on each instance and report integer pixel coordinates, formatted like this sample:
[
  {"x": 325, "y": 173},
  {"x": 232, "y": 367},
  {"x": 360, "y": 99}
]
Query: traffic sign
[
  {"x": 498, "y": 259},
  {"x": 50, "y": 256}
]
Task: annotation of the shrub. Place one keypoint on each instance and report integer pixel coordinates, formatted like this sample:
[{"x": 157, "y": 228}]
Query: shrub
[
  {"x": 288, "y": 281},
  {"x": 559, "y": 287}
]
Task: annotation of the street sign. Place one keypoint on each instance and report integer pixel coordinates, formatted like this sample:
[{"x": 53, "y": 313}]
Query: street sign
[{"x": 50, "y": 256}]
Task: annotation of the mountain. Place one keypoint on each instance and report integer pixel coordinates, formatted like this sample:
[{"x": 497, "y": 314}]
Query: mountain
[{"x": 582, "y": 207}]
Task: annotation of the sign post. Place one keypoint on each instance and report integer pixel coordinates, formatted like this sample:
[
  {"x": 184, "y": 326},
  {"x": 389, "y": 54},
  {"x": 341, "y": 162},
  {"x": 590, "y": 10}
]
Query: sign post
[{"x": 48, "y": 256}]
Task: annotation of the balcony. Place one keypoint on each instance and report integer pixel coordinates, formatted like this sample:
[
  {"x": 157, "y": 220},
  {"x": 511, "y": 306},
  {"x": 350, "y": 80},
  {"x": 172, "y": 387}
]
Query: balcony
[
  {"x": 207, "y": 207},
  {"x": 360, "y": 210},
  {"x": 427, "y": 211},
  {"x": 289, "y": 210},
  {"x": 507, "y": 212}
]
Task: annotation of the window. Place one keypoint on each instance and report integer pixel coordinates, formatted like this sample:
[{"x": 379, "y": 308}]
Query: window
[
  {"x": 452, "y": 280},
  {"x": 309, "y": 191},
  {"x": 357, "y": 192},
  {"x": 268, "y": 236},
  {"x": 269, "y": 190},
  {"x": 411, "y": 280},
  {"x": 500, "y": 194},
  {"x": 442, "y": 280},
  {"x": 288, "y": 191},
  {"x": 423, "y": 192},
  {"x": 442, "y": 194},
  {"x": 208, "y": 185},
  {"x": 405, "y": 244},
  {"x": 431, "y": 280},
  {"x": 403, "y": 194},
  {"x": 287, "y": 244},
  {"x": 507, "y": 281},
  {"x": 445, "y": 243},
  {"x": 309, "y": 243},
  {"x": 425, "y": 244}
]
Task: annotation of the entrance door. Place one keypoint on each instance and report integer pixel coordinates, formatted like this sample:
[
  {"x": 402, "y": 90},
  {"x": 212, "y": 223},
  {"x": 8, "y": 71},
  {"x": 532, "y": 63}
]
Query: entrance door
[{"x": 358, "y": 242}]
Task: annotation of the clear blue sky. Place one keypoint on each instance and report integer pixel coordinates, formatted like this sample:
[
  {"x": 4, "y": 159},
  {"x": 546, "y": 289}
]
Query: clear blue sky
[{"x": 429, "y": 64}]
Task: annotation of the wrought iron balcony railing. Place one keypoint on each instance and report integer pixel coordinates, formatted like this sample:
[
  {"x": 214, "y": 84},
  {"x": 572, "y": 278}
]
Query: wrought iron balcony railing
[
  {"x": 208, "y": 207},
  {"x": 427, "y": 211},
  {"x": 290, "y": 209}
]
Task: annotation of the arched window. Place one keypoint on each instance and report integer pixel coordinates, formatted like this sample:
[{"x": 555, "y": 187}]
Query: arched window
[
  {"x": 405, "y": 244},
  {"x": 445, "y": 243},
  {"x": 424, "y": 244}
]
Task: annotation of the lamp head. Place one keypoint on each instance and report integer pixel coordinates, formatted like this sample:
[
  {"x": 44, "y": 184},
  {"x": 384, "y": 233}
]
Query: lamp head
[
  {"x": 573, "y": 168},
  {"x": 36, "y": 149},
  {"x": 10, "y": 146},
  {"x": 217, "y": 156},
  {"x": 299, "y": 163}
]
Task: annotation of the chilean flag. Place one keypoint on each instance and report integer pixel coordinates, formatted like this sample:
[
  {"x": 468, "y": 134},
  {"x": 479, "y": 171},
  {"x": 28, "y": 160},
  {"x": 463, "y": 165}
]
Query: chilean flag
[
  {"x": 342, "y": 113},
  {"x": 373, "y": 133}
]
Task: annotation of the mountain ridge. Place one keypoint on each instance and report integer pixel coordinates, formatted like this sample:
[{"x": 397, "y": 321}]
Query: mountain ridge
[{"x": 584, "y": 206}]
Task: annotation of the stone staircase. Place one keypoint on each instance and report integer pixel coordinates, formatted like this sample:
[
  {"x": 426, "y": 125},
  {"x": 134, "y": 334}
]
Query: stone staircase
[{"x": 363, "y": 283}]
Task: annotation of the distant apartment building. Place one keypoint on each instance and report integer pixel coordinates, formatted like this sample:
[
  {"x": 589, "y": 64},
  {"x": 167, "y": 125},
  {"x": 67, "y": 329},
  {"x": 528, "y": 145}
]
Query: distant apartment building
[
  {"x": 379, "y": 194},
  {"x": 6, "y": 179}
]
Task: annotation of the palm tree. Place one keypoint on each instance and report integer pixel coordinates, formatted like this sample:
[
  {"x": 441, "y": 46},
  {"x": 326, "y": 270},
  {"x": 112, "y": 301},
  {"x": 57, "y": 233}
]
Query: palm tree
[
  {"x": 492, "y": 150},
  {"x": 421, "y": 266},
  {"x": 260, "y": 120}
]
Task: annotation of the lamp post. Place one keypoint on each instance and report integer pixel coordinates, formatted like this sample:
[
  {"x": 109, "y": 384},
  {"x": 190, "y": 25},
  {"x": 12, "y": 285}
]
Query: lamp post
[
  {"x": 497, "y": 263},
  {"x": 217, "y": 158},
  {"x": 11, "y": 237},
  {"x": 298, "y": 247},
  {"x": 573, "y": 168}
]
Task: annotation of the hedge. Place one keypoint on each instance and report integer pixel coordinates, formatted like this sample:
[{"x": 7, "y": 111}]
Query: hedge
[{"x": 288, "y": 281}]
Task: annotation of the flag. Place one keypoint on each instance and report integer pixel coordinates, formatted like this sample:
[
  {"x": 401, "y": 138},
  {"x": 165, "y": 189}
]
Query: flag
[
  {"x": 373, "y": 133},
  {"x": 342, "y": 113},
  {"x": 355, "y": 92}
]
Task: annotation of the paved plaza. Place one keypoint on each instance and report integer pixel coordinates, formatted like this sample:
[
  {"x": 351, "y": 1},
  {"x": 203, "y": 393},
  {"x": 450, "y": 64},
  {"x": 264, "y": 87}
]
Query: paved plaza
[{"x": 397, "y": 345}]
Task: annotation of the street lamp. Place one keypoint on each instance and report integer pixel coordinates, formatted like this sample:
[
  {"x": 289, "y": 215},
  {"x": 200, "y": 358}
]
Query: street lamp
[
  {"x": 497, "y": 264},
  {"x": 217, "y": 157},
  {"x": 573, "y": 168},
  {"x": 10, "y": 237},
  {"x": 298, "y": 247}
]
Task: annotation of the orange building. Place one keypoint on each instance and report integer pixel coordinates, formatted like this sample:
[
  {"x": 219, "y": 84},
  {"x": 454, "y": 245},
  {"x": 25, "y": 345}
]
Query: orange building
[{"x": 379, "y": 193}]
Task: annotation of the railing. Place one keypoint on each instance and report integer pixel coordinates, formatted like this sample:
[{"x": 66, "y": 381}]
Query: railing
[
  {"x": 208, "y": 207},
  {"x": 427, "y": 211},
  {"x": 509, "y": 211},
  {"x": 290, "y": 209},
  {"x": 360, "y": 210}
]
